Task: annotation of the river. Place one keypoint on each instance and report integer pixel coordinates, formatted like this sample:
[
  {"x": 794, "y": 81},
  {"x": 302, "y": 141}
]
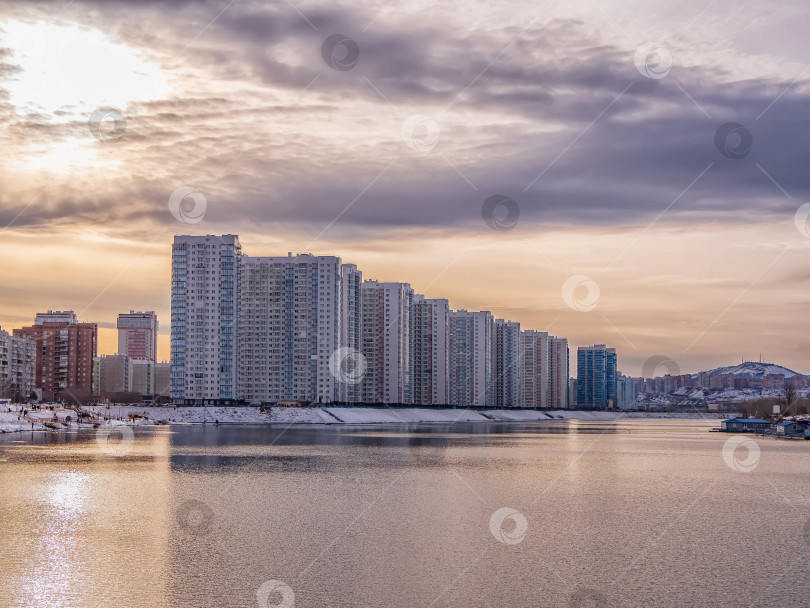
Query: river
[{"x": 610, "y": 514}]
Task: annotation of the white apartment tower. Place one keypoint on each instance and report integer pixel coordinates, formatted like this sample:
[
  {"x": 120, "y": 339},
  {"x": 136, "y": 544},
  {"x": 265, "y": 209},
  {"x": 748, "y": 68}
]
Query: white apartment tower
[
  {"x": 137, "y": 335},
  {"x": 205, "y": 301},
  {"x": 289, "y": 327},
  {"x": 535, "y": 368},
  {"x": 470, "y": 358},
  {"x": 429, "y": 329},
  {"x": 351, "y": 329},
  {"x": 558, "y": 373},
  {"x": 387, "y": 342},
  {"x": 506, "y": 361}
]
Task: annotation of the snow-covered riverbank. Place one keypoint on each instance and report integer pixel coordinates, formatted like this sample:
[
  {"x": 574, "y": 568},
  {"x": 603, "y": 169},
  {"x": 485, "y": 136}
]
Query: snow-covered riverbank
[
  {"x": 46, "y": 419},
  {"x": 368, "y": 415}
]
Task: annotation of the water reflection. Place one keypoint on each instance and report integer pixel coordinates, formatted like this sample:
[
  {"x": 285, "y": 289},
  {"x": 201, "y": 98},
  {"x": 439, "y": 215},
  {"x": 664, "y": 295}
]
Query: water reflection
[
  {"x": 81, "y": 527},
  {"x": 639, "y": 512},
  {"x": 290, "y": 448}
]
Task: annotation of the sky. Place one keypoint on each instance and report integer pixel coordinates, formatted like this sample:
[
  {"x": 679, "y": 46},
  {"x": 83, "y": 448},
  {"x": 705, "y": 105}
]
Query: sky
[{"x": 617, "y": 172}]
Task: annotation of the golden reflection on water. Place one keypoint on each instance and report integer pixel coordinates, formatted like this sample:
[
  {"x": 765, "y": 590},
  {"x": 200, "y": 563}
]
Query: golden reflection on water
[{"x": 92, "y": 534}]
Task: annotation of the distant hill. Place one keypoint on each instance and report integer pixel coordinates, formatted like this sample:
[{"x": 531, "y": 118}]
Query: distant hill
[{"x": 753, "y": 370}]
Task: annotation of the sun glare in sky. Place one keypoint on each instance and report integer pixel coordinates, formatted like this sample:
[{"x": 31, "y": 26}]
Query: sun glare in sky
[{"x": 65, "y": 73}]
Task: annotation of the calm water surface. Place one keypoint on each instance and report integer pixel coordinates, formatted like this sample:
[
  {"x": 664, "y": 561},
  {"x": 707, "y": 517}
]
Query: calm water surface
[{"x": 633, "y": 513}]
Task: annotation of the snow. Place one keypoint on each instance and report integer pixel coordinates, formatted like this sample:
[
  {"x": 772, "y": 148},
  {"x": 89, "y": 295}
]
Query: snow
[
  {"x": 518, "y": 415},
  {"x": 754, "y": 370},
  {"x": 400, "y": 415},
  {"x": 119, "y": 415}
]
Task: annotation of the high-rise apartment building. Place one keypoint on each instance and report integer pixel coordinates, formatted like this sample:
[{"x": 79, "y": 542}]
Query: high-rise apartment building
[
  {"x": 65, "y": 350},
  {"x": 307, "y": 328},
  {"x": 470, "y": 358},
  {"x": 205, "y": 301},
  {"x": 536, "y": 373},
  {"x": 558, "y": 373},
  {"x": 627, "y": 391},
  {"x": 596, "y": 376},
  {"x": 507, "y": 361},
  {"x": 18, "y": 367},
  {"x": 137, "y": 335},
  {"x": 429, "y": 329},
  {"x": 289, "y": 328},
  {"x": 387, "y": 342},
  {"x": 350, "y": 385}
]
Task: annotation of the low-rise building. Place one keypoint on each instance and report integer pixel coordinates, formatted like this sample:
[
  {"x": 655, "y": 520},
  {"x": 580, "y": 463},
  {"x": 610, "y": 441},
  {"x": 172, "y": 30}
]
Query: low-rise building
[
  {"x": 745, "y": 425},
  {"x": 793, "y": 428},
  {"x": 163, "y": 380},
  {"x": 143, "y": 377},
  {"x": 114, "y": 374}
]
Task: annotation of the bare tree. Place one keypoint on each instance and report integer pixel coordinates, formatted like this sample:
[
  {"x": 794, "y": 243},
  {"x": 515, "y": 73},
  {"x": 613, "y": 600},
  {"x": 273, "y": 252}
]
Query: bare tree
[
  {"x": 7, "y": 389},
  {"x": 787, "y": 399}
]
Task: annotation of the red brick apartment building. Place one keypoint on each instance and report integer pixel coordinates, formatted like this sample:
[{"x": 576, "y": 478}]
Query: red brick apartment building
[{"x": 64, "y": 354}]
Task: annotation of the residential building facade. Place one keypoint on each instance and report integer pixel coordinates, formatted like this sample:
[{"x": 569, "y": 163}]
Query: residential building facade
[
  {"x": 205, "y": 301},
  {"x": 138, "y": 335},
  {"x": 596, "y": 377},
  {"x": 65, "y": 349},
  {"x": 506, "y": 363},
  {"x": 114, "y": 375},
  {"x": 470, "y": 358},
  {"x": 289, "y": 327},
  {"x": 387, "y": 342},
  {"x": 350, "y": 388},
  {"x": 536, "y": 374},
  {"x": 429, "y": 328},
  {"x": 558, "y": 373},
  {"x": 18, "y": 366}
]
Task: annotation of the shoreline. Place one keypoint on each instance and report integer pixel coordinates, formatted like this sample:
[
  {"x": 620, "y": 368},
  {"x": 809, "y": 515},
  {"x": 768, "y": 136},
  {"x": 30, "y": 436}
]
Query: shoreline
[{"x": 136, "y": 415}]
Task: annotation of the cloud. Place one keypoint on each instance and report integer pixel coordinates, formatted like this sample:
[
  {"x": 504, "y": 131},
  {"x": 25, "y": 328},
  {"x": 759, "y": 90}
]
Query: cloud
[{"x": 552, "y": 115}]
